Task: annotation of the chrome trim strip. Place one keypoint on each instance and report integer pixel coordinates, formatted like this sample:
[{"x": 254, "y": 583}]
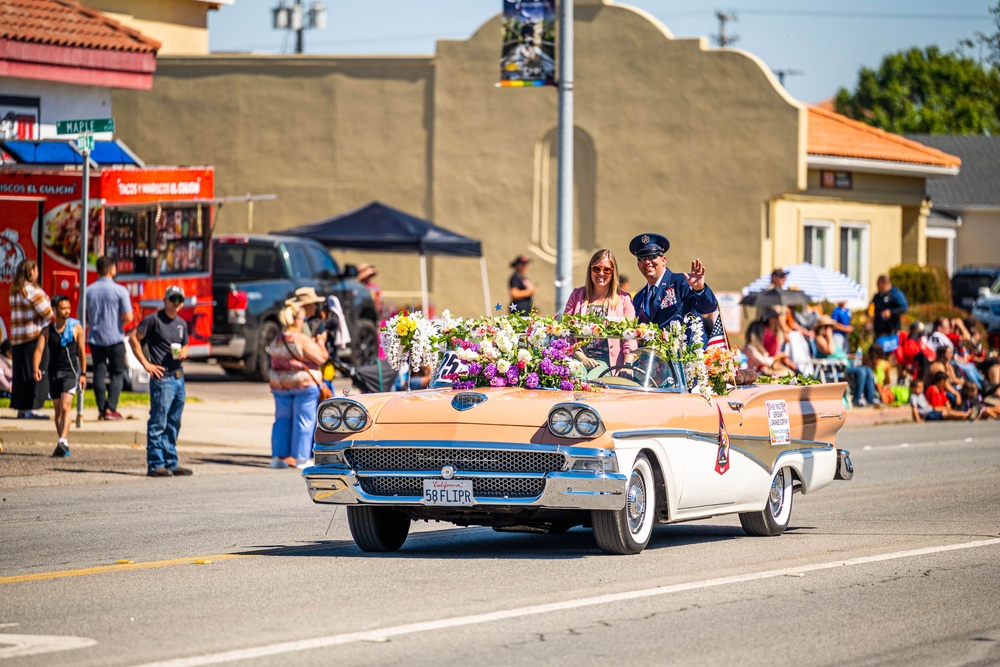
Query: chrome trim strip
[
  {"x": 707, "y": 437},
  {"x": 571, "y": 451},
  {"x": 831, "y": 415},
  {"x": 770, "y": 469},
  {"x": 459, "y": 474}
]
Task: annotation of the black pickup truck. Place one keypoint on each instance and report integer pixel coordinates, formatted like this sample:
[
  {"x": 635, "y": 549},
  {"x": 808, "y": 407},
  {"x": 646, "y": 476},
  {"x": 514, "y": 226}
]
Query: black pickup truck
[{"x": 251, "y": 278}]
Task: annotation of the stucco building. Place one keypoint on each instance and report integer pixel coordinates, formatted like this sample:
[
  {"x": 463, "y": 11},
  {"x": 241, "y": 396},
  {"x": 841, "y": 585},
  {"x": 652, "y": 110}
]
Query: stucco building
[{"x": 673, "y": 136}]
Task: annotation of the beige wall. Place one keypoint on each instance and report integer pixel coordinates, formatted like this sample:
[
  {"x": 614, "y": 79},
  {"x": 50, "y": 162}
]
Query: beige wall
[
  {"x": 181, "y": 26},
  {"x": 979, "y": 238}
]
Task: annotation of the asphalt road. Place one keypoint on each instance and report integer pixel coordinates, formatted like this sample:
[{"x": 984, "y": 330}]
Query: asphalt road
[{"x": 899, "y": 566}]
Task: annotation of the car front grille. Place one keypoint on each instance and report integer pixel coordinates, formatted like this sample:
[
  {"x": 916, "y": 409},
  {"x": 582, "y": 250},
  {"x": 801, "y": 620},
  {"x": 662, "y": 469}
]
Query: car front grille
[
  {"x": 433, "y": 458},
  {"x": 482, "y": 487}
]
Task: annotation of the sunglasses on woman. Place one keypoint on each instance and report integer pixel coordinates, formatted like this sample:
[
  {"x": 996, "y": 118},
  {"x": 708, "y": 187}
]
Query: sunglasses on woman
[{"x": 601, "y": 270}]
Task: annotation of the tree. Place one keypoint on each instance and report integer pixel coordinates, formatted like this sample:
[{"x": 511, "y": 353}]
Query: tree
[
  {"x": 992, "y": 41},
  {"x": 925, "y": 91}
]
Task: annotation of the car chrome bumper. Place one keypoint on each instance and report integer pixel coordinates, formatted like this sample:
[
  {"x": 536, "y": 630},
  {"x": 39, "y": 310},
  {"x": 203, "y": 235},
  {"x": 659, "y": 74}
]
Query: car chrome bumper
[
  {"x": 845, "y": 469},
  {"x": 229, "y": 346},
  {"x": 563, "y": 490}
]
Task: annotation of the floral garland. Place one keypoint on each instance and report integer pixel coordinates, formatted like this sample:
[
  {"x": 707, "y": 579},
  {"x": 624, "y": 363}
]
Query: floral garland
[
  {"x": 720, "y": 363},
  {"x": 536, "y": 352}
]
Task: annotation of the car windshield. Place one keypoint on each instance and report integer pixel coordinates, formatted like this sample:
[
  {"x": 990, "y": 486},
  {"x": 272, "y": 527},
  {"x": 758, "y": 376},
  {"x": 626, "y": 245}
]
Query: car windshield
[{"x": 648, "y": 371}]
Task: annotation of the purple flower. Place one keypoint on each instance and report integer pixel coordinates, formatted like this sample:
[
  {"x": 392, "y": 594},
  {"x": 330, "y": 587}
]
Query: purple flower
[
  {"x": 463, "y": 385},
  {"x": 490, "y": 371},
  {"x": 531, "y": 381},
  {"x": 475, "y": 368},
  {"x": 547, "y": 367},
  {"x": 512, "y": 375},
  {"x": 566, "y": 385},
  {"x": 498, "y": 382}
]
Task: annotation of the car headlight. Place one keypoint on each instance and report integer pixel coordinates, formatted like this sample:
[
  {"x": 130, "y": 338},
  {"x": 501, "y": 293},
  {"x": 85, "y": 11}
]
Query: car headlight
[
  {"x": 587, "y": 422},
  {"x": 355, "y": 418},
  {"x": 561, "y": 422},
  {"x": 575, "y": 420},
  {"x": 342, "y": 415}
]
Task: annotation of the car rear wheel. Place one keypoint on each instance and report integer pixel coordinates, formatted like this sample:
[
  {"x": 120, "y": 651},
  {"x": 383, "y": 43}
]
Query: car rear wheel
[
  {"x": 773, "y": 520},
  {"x": 377, "y": 528},
  {"x": 627, "y": 531},
  {"x": 262, "y": 368}
]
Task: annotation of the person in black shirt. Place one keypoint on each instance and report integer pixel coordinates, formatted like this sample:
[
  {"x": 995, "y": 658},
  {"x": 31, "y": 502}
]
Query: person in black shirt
[
  {"x": 166, "y": 337},
  {"x": 67, "y": 366},
  {"x": 889, "y": 304},
  {"x": 521, "y": 287}
]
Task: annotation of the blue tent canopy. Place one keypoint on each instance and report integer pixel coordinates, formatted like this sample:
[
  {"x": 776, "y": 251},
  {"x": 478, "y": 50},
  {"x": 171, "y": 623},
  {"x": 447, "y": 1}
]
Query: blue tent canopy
[
  {"x": 382, "y": 228},
  {"x": 63, "y": 152}
]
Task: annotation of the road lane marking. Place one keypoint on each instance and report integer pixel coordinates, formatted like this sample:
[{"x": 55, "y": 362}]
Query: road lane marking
[
  {"x": 22, "y": 645},
  {"x": 459, "y": 621},
  {"x": 124, "y": 567}
]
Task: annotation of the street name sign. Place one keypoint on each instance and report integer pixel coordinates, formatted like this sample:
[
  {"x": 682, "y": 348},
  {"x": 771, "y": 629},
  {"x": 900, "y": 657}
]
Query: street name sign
[
  {"x": 80, "y": 126},
  {"x": 85, "y": 142}
]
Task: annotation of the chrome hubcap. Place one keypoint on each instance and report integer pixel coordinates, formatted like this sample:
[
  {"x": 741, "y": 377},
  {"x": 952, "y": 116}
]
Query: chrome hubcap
[
  {"x": 777, "y": 496},
  {"x": 635, "y": 505}
]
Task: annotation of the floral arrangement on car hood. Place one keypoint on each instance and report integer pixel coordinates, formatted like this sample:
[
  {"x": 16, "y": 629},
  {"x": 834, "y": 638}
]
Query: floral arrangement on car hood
[{"x": 532, "y": 351}]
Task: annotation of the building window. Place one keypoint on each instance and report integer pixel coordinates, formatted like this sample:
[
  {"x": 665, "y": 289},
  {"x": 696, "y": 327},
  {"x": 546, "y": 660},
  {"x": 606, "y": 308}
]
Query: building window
[
  {"x": 817, "y": 245},
  {"x": 854, "y": 251}
]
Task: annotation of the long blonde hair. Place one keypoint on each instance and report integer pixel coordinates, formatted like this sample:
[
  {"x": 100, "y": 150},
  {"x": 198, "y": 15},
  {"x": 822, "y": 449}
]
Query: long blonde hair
[
  {"x": 288, "y": 316},
  {"x": 590, "y": 288},
  {"x": 21, "y": 276}
]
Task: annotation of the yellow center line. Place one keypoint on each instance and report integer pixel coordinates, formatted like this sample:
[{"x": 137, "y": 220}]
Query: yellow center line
[{"x": 38, "y": 576}]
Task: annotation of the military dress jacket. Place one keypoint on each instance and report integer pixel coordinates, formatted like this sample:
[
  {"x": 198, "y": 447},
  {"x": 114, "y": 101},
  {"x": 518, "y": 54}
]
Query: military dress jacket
[{"x": 672, "y": 299}]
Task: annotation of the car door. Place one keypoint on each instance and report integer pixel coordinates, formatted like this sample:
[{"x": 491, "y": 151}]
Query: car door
[{"x": 704, "y": 484}]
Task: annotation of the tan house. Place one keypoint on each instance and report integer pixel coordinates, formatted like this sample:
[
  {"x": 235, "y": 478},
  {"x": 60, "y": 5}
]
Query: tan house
[
  {"x": 180, "y": 25},
  {"x": 672, "y": 136}
]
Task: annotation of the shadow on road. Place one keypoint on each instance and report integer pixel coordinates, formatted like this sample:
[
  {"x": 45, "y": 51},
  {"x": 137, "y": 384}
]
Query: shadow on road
[
  {"x": 245, "y": 460},
  {"x": 480, "y": 542}
]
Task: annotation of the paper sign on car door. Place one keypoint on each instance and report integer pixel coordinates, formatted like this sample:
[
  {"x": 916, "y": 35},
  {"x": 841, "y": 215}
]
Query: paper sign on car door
[{"x": 778, "y": 427}]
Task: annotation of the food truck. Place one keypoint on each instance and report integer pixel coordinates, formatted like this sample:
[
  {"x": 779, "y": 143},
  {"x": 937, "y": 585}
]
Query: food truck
[{"x": 156, "y": 221}]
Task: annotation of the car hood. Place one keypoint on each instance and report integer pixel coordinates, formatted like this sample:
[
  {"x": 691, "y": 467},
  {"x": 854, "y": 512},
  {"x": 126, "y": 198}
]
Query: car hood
[{"x": 502, "y": 407}]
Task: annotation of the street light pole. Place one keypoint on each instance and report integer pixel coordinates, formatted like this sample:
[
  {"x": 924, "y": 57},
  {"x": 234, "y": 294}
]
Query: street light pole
[
  {"x": 564, "y": 188},
  {"x": 84, "y": 229}
]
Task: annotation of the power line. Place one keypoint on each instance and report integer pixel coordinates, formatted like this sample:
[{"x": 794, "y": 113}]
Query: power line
[{"x": 865, "y": 15}]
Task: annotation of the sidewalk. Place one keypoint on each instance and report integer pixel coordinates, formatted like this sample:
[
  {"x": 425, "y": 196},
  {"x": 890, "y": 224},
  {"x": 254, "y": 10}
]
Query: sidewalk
[{"x": 243, "y": 425}]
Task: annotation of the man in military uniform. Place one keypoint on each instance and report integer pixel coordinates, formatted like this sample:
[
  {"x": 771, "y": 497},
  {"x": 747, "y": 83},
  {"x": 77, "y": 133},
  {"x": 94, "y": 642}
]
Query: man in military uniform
[{"x": 669, "y": 296}]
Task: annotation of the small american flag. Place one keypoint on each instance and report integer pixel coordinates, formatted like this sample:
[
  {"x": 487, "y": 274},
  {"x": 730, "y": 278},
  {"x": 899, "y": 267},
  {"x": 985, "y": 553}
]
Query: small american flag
[{"x": 717, "y": 333}]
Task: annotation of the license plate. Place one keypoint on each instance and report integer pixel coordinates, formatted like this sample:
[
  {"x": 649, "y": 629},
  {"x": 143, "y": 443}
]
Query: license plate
[{"x": 456, "y": 492}]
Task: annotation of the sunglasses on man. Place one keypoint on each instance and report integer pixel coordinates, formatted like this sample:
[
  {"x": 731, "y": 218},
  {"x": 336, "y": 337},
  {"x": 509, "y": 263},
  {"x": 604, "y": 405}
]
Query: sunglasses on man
[
  {"x": 176, "y": 299},
  {"x": 648, "y": 258}
]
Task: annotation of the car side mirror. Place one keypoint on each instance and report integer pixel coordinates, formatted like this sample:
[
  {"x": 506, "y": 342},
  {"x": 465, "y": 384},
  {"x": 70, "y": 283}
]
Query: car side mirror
[{"x": 350, "y": 271}]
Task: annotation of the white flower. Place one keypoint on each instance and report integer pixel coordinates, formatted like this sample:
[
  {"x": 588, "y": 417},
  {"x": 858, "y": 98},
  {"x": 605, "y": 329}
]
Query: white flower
[
  {"x": 503, "y": 365},
  {"x": 576, "y": 368},
  {"x": 523, "y": 356}
]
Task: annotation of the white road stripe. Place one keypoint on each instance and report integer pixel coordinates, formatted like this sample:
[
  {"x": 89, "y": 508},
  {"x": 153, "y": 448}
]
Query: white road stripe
[
  {"x": 18, "y": 646},
  {"x": 459, "y": 621}
]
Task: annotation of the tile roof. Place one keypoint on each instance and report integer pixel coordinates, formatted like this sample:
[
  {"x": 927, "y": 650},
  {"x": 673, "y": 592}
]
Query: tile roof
[
  {"x": 834, "y": 135},
  {"x": 70, "y": 24},
  {"x": 978, "y": 184}
]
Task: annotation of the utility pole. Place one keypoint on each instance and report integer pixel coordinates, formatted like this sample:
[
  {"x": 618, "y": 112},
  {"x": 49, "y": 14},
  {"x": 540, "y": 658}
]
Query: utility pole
[
  {"x": 782, "y": 73},
  {"x": 297, "y": 18},
  {"x": 722, "y": 39},
  {"x": 564, "y": 186}
]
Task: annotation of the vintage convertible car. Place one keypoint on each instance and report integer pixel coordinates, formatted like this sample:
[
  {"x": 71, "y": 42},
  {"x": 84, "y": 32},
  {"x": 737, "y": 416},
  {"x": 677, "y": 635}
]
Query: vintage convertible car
[{"x": 640, "y": 451}]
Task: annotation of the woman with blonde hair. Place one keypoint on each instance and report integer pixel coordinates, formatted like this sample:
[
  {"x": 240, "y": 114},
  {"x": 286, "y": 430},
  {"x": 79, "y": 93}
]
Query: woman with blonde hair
[
  {"x": 602, "y": 296},
  {"x": 296, "y": 360},
  {"x": 30, "y": 314}
]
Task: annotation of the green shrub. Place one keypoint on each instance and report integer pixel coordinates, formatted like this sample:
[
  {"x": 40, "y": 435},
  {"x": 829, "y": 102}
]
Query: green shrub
[
  {"x": 928, "y": 312},
  {"x": 922, "y": 284}
]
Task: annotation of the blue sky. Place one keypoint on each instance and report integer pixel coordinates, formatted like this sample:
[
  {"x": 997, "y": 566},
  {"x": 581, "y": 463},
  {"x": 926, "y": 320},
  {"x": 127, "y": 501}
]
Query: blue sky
[{"x": 827, "y": 42}]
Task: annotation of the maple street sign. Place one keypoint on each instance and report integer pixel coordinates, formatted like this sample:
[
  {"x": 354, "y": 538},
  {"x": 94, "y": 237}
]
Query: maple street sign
[{"x": 80, "y": 126}]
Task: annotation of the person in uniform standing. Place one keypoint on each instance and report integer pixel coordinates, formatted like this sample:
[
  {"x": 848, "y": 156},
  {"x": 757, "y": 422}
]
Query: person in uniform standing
[
  {"x": 109, "y": 310},
  {"x": 166, "y": 336},
  {"x": 67, "y": 367},
  {"x": 669, "y": 296},
  {"x": 521, "y": 288}
]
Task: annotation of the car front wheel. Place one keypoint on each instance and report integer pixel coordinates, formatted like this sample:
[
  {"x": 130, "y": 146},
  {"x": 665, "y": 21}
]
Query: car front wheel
[
  {"x": 777, "y": 512},
  {"x": 377, "y": 528},
  {"x": 627, "y": 531}
]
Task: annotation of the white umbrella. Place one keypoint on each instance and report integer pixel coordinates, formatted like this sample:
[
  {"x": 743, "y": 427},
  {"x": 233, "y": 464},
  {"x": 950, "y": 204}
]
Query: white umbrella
[{"x": 821, "y": 284}]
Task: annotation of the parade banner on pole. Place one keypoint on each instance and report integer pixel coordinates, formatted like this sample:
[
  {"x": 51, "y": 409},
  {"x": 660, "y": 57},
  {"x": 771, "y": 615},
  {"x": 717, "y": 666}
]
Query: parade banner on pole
[{"x": 528, "y": 28}]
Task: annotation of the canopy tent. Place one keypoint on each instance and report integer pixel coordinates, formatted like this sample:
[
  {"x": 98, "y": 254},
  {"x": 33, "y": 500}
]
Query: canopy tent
[
  {"x": 821, "y": 284},
  {"x": 382, "y": 228}
]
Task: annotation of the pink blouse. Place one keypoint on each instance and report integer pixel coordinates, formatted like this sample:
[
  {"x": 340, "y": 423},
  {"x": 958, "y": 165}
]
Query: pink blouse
[{"x": 577, "y": 305}]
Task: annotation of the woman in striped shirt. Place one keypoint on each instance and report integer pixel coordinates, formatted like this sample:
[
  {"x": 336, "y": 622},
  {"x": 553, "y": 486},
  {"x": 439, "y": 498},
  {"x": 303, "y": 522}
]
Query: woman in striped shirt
[{"x": 30, "y": 314}]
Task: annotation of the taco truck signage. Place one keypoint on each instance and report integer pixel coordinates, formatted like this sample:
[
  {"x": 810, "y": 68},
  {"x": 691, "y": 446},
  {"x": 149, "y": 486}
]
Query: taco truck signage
[{"x": 156, "y": 222}]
